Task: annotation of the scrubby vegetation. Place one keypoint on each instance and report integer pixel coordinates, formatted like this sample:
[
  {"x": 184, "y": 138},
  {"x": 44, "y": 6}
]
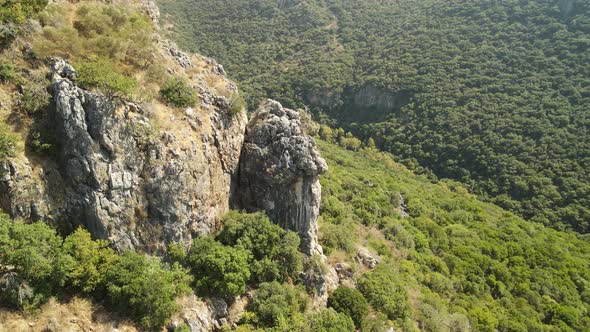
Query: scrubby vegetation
[
  {"x": 385, "y": 291},
  {"x": 18, "y": 11},
  {"x": 91, "y": 262},
  {"x": 237, "y": 104},
  {"x": 276, "y": 304},
  {"x": 328, "y": 320},
  {"x": 493, "y": 94},
  {"x": 103, "y": 76},
  {"x": 454, "y": 263},
  {"x": 140, "y": 286},
  {"x": 273, "y": 253},
  {"x": 350, "y": 302},
  {"x": 8, "y": 142},
  {"x": 7, "y": 72},
  {"x": 220, "y": 270},
  {"x": 248, "y": 250},
  {"x": 112, "y": 45},
  {"x": 93, "y": 31},
  {"x": 177, "y": 92},
  {"x": 36, "y": 263},
  {"x": 282, "y": 307},
  {"x": 34, "y": 96}
]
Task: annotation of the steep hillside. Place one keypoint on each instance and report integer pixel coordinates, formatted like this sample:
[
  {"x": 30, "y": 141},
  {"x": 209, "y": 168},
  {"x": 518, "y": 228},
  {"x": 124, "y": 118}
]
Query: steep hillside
[
  {"x": 457, "y": 262},
  {"x": 121, "y": 156},
  {"x": 105, "y": 142},
  {"x": 491, "y": 94}
]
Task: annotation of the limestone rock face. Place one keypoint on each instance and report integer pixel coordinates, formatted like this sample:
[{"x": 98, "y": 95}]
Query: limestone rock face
[
  {"x": 279, "y": 171},
  {"x": 126, "y": 179},
  {"x": 20, "y": 192}
]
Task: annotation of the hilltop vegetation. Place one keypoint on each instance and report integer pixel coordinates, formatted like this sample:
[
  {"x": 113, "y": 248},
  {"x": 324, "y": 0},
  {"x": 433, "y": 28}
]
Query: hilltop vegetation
[{"x": 493, "y": 94}]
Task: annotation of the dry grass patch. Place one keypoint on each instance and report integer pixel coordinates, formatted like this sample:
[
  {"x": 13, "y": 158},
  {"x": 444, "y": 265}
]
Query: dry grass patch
[{"x": 76, "y": 315}]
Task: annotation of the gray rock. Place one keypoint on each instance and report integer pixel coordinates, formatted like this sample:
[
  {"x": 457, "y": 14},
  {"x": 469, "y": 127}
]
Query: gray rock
[
  {"x": 218, "y": 70},
  {"x": 21, "y": 193},
  {"x": 402, "y": 209},
  {"x": 279, "y": 171},
  {"x": 344, "y": 271},
  {"x": 194, "y": 313},
  {"x": 181, "y": 57},
  {"x": 61, "y": 67},
  {"x": 122, "y": 179},
  {"x": 152, "y": 10},
  {"x": 218, "y": 307},
  {"x": 365, "y": 257},
  {"x": 319, "y": 280}
]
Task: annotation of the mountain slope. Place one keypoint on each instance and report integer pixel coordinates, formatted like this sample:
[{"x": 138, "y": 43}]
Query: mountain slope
[
  {"x": 461, "y": 261},
  {"x": 131, "y": 139},
  {"x": 495, "y": 94}
]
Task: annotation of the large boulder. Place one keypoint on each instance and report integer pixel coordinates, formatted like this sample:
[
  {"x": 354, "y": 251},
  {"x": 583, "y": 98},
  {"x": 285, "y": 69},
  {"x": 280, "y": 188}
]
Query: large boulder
[{"x": 279, "y": 171}]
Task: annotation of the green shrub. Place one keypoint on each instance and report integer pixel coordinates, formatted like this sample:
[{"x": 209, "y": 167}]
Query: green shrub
[
  {"x": 351, "y": 302},
  {"x": 274, "y": 252},
  {"x": 32, "y": 253},
  {"x": 328, "y": 320},
  {"x": 336, "y": 237},
  {"x": 115, "y": 32},
  {"x": 143, "y": 288},
  {"x": 274, "y": 303},
  {"x": 384, "y": 291},
  {"x": 8, "y": 142},
  {"x": 39, "y": 144},
  {"x": 176, "y": 253},
  {"x": 218, "y": 269},
  {"x": 237, "y": 104},
  {"x": 8, "y": 34},
  {"x": 7, "y": 72},
  {"x": 105, "y": 77},
  {"x": 35, "y": 96},
  {"x": 177, "y": 92},
  {"x": 92, "y": 261},
  {"x": 482, "y": 319},
  {"x": 182, "y": 328},
  {"x": 18, "y": 11}
]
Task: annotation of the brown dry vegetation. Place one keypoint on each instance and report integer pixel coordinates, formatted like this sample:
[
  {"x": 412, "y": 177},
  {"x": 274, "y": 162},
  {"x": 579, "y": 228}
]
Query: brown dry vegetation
[{"x": 76, "y": 315}]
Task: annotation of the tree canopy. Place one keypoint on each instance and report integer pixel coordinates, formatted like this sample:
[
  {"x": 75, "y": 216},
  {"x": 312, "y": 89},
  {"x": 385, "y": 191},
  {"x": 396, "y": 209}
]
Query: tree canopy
[{"x": 494, "y": 94}]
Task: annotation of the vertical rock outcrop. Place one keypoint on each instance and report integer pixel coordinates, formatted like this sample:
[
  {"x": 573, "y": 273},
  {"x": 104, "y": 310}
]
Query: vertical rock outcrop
[
  {"x": 279, "y": 170},
  {"x": 132, "y": 182}
]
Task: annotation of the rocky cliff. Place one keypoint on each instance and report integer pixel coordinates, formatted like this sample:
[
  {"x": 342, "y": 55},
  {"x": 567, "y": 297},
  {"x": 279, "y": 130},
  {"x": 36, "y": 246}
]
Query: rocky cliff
[
  {"x": 134, "y": 176},
  {"x": 279, "y": 171},
  {"x": 142, "y": 179},
  {"x": 142, "y": 174}
]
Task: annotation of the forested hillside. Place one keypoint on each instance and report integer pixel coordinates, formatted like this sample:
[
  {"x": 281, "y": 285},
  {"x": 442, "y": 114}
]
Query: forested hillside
[
  {"x": 454, "y": 261},
  {"x": 494, "y": 94}
]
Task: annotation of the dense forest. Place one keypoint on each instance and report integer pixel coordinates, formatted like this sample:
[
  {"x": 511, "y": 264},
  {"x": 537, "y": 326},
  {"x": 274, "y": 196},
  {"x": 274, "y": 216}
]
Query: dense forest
[
  {"x": 493, "y": 94},
  {"x": 453, "y": 261}
]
